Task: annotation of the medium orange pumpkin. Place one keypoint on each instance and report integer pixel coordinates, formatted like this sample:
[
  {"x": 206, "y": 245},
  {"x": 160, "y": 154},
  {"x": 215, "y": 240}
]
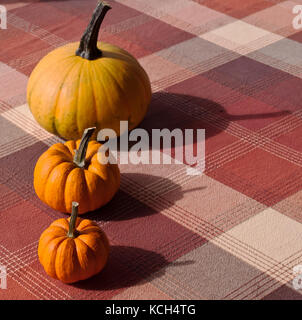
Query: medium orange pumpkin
[
  {"x": 73, "y": 249},
  {"x": 88, "y": 84},
  {"x": 63, "y": 174}
]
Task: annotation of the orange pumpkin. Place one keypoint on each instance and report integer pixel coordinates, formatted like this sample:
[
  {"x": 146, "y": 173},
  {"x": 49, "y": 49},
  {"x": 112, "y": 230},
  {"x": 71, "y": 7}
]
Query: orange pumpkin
[
  {"x": 88, "y": 84},
  {"x": 63, "y": 174},
  {"x": 73, "y": 249}
]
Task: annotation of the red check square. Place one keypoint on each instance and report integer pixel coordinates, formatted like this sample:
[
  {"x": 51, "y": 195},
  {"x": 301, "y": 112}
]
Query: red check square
[
  {"x": 261, "y": 176},
  {"x": 236, "y": 8}
]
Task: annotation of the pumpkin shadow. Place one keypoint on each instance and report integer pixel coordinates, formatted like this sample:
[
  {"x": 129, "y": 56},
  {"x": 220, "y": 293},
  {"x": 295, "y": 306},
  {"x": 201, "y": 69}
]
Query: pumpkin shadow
[
  {"x": 172, "y": 110},
  {"x": 132, "y": 205},
  {"x": 126, "y": 267}
]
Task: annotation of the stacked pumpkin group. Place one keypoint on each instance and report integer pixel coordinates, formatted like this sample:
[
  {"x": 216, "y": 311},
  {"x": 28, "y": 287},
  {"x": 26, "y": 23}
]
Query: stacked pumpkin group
[{"x": 77, "y": 90}]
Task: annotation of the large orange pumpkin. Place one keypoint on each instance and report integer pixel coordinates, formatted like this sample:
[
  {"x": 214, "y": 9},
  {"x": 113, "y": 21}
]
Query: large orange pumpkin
[
  {"x": 72, "y": 172},
  {"x": 73, "y": 249},
  {"x": 87, "y": 84}
]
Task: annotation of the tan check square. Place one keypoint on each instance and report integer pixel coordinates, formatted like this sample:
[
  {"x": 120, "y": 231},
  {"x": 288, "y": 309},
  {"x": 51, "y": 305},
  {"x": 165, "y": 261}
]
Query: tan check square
[{"x": 241, "y": 37}]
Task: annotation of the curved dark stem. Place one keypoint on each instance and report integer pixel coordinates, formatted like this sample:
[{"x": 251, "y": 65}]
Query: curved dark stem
[
  {"x": 88, "y": 45},
  {"x": 80, "y": 154},
  {"x": 72, "y": 232}
]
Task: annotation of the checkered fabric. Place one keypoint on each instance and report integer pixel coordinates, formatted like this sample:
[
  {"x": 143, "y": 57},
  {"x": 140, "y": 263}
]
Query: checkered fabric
[{"x": 231, "y": 67}]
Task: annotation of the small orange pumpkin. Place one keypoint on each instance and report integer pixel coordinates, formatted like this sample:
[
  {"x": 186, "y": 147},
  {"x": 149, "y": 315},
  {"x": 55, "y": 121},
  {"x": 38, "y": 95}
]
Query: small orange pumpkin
[
  {"x": 73, "y": 249},
  {"x": 63, "y": 174}
]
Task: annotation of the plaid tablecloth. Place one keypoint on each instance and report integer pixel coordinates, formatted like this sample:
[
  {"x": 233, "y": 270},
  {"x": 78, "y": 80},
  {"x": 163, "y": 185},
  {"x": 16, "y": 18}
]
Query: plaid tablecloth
[{"x": 231, "y": 67}]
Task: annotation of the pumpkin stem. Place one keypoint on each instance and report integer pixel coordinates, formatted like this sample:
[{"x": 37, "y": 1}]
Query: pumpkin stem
[
  {"x": 80, "y": 154},
  {"x": 88, "y": 45},
  {"x": 72, "y": 232}
]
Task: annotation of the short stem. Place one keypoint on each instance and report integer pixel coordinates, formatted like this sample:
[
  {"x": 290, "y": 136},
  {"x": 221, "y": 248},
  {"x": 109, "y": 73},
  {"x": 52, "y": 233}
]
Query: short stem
[
  {"x": 80, "y": 154},
  {"x": 72, "y": 232},
  {"x": 88, "y": 45}
]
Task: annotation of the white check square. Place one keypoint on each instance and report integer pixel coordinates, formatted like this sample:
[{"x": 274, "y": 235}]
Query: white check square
[{"x": 241, "y": 37}]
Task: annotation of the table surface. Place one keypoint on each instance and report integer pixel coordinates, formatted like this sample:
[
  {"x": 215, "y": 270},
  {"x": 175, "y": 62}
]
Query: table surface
[{"x": 232, "y": 68}]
